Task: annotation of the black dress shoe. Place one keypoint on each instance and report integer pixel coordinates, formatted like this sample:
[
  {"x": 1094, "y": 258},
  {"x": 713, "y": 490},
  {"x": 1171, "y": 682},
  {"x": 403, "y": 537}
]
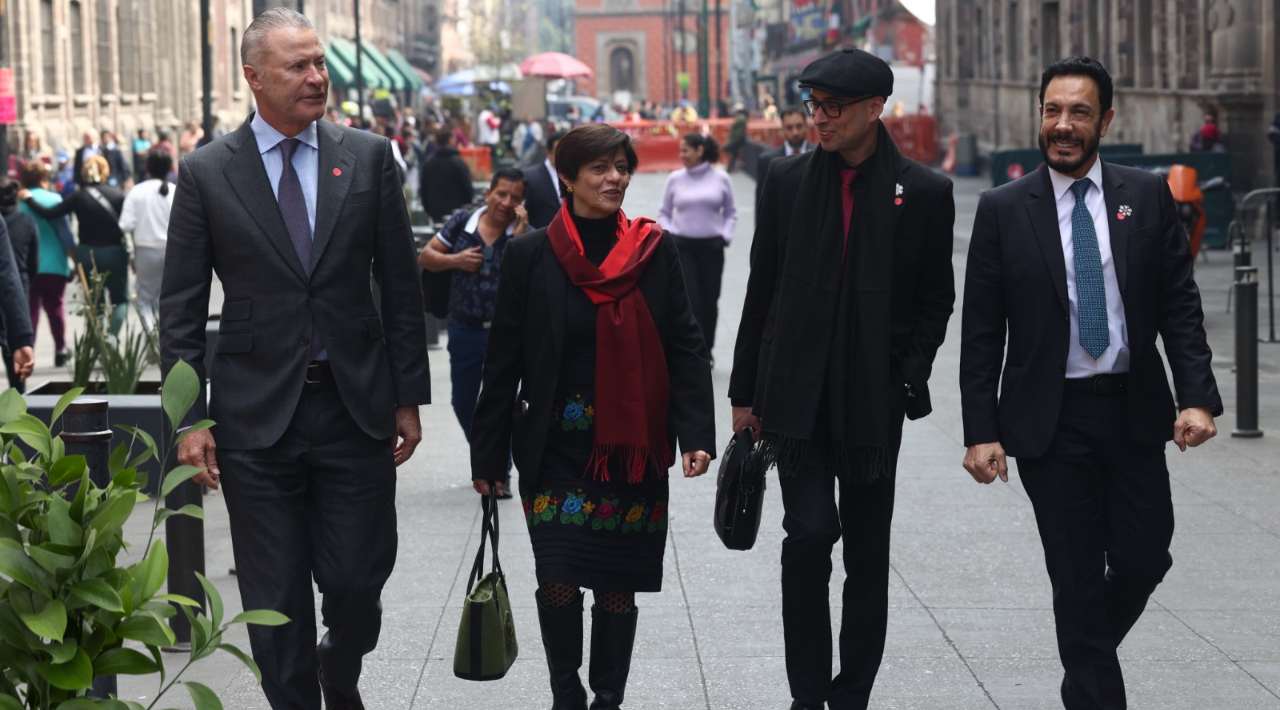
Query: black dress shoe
[
  {"x": 797, "y": 705},
  {"x": 338, "y": 699}
]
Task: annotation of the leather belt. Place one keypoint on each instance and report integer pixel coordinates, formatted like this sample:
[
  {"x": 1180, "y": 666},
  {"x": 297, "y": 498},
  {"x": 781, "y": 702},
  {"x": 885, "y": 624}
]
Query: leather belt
[
  {"x": 1101, "y": 385},
  {"x": 318, "y": 373}
]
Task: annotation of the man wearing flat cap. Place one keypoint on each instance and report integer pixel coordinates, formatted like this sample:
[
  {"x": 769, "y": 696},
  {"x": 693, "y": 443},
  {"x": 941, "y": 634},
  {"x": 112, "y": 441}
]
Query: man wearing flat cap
[{"x": 847, "y": 303}]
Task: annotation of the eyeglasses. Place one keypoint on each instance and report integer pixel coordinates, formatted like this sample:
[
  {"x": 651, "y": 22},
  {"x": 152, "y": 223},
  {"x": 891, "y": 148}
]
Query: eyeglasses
[{"x": 833, "y": 109}]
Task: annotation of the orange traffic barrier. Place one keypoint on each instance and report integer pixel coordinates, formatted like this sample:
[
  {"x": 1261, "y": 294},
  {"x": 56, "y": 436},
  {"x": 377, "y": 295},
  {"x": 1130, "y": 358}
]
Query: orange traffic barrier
[{"x": 479, "y": 161}]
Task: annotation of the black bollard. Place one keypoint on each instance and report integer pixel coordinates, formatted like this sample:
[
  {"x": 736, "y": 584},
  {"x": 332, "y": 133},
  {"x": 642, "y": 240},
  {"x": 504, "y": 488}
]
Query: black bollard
[
  {"x": 1246, "y": 290},
  {"x": 86, "y": 431}
]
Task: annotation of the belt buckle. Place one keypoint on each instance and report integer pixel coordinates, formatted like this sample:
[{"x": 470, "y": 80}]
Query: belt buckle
[{"x": 307, "y": 377}]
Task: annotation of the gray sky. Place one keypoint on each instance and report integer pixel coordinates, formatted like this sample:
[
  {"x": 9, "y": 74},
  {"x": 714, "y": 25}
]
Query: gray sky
[{"x": 924, "y": 9}]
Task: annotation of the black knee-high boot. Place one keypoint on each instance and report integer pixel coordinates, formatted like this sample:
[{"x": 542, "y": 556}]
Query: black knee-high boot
[
  {"x": 612, "y": 638},
  {"x": 562, "y": 639}
]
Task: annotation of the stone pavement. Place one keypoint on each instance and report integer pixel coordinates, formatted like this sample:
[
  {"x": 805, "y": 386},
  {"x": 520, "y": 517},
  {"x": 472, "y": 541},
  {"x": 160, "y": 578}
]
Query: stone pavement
[{"x": 970, "y": 626}]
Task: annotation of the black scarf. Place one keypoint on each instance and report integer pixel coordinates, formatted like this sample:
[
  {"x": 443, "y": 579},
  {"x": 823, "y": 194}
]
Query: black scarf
[{"x": 828, "y": 400}]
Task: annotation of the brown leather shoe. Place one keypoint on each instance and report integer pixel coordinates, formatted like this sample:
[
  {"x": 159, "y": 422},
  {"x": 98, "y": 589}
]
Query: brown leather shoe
[{"x": 337, "y": 699}]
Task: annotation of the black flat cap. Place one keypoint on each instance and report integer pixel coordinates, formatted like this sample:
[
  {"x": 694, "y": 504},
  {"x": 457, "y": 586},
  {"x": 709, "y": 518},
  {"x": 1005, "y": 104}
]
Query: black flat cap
[{"x": 850, "y": 73}]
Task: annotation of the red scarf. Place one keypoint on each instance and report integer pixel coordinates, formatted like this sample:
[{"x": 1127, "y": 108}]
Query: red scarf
[{"x": 632, "y": 383}]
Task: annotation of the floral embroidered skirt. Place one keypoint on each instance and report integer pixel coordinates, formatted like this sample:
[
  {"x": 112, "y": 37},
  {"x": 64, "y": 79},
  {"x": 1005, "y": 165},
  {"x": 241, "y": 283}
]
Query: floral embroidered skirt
[{"x": 602, "y": 535}]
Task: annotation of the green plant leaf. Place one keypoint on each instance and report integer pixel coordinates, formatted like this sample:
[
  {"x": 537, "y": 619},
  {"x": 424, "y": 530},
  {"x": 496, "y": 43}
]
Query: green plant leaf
[
  {"x": 261, "y": 617},
  {"x": 245, "y": 658},
  {"x": 12, "y": 406},
  {"x": 98, "y": 593},
  {"x": 150, "y": 574},
  {"x": 8, "y": 702},
  {"x": 52, "y": 562},
  {"x": 179, "y": 392},
  {"x": 111, "y": 516},
  {"x": 76, "y": 674},
  {"x": 62, "y": 529},
  {"x": 123, "y": 661},
  {"x": 49, "y": 622},
  {"x": 119, "y": 458},
  {"x": 177, "y": 477},
  {"x": 16, "y": 454},
  {"x": 95, "y": 704},
  {"x": 213, "y": 598},
  {"x": 16, "y": 565},
  {"x": 66, "y": 470},
  {"x": 64, "y": 651},
  {"x": 204, "y": 698},
  {"x": 150, "y": 449},
  {"x": 201, "y": 425},
  {"x": 178, "y": 599},
  {"x": 145, "y": 628},
  {"x": 191, "y": 510},
  {"x": 32, "y": 432},
  {"x": 63, "y": 402}
]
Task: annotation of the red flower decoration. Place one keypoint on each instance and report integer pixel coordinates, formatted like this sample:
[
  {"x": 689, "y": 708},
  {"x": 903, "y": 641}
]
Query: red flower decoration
[
  {"x": 337, "y": 172},
  {"x": 897, "y": 201}
]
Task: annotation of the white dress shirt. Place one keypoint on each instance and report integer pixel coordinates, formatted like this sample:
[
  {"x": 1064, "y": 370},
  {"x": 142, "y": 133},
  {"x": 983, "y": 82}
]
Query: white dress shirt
[
  {"x": 1115, "y": 359},
  {"x": 555, "y": 178},
  {"x": 306, "y": 160},
  {"x": 146, "y": 213}
]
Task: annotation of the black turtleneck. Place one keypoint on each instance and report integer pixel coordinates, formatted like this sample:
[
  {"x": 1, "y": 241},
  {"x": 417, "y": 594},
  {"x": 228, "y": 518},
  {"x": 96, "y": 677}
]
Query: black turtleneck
[{"x": 598, "y": 236}]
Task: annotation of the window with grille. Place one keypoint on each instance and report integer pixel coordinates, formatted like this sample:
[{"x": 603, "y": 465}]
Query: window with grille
[
  {"x": 102, "y": 20},
  {"x": 127, "y": 47},
  {"x": 48, "y": 48},
  {"x": 76, "y": 22}
]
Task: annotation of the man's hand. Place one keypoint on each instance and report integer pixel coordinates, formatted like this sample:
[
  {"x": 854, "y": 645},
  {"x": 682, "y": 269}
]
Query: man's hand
[
  {"x": 198, "y": 449},
  {"x": 1193, "y": 427},
  {"x": 24, "y": 362},
  {"x": 483, "y": 487},
  {"x": 695, "y": 463},
  {"x": 986, "y": 461},
  {"x": 408, "y": 432},
  {"x": 469, "y": 259},
  {"x": 744, "y": 419},
  {"x": 522, "y": 221}
]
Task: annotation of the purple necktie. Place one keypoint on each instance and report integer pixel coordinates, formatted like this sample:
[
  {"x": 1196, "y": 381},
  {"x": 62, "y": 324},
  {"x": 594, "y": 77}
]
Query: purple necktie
[{"x": 293, "y": 206}]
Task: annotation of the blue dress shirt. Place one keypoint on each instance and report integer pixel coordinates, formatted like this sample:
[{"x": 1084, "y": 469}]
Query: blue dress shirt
[{"x": 306, "y": 160}]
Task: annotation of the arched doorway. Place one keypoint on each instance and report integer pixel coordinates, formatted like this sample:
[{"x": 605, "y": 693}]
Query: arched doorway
[{"x": 622, "y": 70}]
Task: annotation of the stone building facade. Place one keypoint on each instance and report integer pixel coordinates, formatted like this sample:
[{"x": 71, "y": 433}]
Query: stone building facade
[
  {"x": 89, "y": 65},
  {"x": 1172, "y": 60}
]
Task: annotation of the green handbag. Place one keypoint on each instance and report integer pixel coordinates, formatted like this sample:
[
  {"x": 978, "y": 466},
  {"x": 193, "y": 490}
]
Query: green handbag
[{"x": 486, "y": 645}]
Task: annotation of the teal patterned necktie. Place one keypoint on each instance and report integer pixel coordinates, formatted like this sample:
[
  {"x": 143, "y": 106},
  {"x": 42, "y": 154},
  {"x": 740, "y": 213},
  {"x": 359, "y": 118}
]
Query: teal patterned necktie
[{"x": 1091, "y": 292}]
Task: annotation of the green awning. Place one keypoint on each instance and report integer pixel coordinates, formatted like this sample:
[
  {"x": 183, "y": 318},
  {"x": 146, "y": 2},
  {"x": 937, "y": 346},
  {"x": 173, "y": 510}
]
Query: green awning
[
  {"x": 406, "y": 69},
  {"x": 346, "y": 50},
  {"x": 394, "y": 81},
  {"x": 340, "y": 75}
]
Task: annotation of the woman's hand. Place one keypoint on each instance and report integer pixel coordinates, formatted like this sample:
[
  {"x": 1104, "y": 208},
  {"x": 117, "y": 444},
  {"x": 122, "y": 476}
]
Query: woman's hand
[
  {"x": 484, "y": 487},
  {"x": 696, "y": 463}
]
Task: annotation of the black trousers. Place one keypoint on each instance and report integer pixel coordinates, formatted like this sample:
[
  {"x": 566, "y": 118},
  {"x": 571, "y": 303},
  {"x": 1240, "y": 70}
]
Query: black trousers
[
  {"x": 319, "y": 503},
  {"x": 702, "y": 263},
  {"x": 814, "y": 518},
  {"x": 1105, "y": 515}
]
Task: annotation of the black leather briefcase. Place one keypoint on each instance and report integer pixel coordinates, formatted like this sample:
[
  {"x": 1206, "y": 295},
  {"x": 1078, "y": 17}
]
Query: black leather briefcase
[{"x": 739, "y": 493}]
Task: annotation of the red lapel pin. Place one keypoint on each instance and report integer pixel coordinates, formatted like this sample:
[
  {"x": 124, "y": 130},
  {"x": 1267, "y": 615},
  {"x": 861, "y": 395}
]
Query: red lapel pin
[{"x": 337, "y": 172}]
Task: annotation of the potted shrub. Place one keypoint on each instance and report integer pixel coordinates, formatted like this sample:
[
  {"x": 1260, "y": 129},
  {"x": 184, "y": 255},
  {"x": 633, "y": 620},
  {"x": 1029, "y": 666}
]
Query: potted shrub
[{"x": 69, "y": 611}]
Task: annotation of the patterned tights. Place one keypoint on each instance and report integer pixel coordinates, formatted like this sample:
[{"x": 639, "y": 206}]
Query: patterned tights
[{"x": 562, "y": 595}]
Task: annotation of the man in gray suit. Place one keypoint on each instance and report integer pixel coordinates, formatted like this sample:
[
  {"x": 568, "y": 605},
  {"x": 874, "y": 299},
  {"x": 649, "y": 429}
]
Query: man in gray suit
[
  {"x": 795, "y": 140},
  {"x": 315, "y": 393}
]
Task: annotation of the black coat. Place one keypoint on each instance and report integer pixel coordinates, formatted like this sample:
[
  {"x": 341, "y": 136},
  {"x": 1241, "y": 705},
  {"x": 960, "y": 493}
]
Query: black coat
[
  {"x": 522, "y": 366},
  {"x": 762, "y": 166},
  {"x": 540, "y": 197},
  {"x": 24, "y": 237},
  {"x": 923, "y": 290},
  {"x": 225, "y": 219},
  {"x": 1016, "y": 287},
  {"x": 444, "y": 184},
  {"x": 15, "y": 319}
]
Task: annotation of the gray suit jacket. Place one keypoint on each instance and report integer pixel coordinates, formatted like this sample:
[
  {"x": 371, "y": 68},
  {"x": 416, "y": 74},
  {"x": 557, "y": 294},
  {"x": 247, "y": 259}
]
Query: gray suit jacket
[{"x": 225, "y": 220}]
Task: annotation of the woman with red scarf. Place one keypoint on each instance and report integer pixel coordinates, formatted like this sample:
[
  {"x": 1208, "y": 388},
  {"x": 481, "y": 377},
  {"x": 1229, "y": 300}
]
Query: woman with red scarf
[{"x": 595, "y": 369}]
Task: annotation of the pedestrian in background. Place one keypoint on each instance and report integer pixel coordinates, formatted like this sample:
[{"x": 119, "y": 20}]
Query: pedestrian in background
[
  {"x": 543, "y": 191},
  {"x": 97, "y": 206},
  {"x": 595, "y": 350},
  {"x": 699, "y": 214},
  {"x": 190, "y": 137},
  {"x": 116, "y": 163},
  {"x": 25, "y": 243},
  {"x": 471, "y": 245},
  {"x": 16, "y": 335},
  {"x": 89, "y": 147},
  {"x": 140, "y": 145},
  {"x": 55, "y": 251},
  {"x": 847, "y": 303},
  {"x": 795, "y": 140},
  {"x": 737, "y": 136},
  {"x": 445, "y": 183},
  {"x": 1208, "y": 138},
  {"x": 146, "y": 217},
  {"x": 1073, "y": 271}
]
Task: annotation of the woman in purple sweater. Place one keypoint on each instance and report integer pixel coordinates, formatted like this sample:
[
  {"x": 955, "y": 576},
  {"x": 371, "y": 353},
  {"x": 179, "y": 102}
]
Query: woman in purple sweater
[{"x": 697, "y": 209}]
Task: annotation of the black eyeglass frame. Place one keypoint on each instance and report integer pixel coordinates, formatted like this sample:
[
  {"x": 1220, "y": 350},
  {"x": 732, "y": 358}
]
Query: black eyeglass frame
[{"x": 811, "y": 106}]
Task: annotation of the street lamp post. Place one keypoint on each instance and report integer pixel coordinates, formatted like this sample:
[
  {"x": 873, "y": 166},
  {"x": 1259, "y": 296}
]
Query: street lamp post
[
  {"x": 704, "y": 96},
  {"x": 359, "y": 67},
  {"x": 206, "y": 73}
]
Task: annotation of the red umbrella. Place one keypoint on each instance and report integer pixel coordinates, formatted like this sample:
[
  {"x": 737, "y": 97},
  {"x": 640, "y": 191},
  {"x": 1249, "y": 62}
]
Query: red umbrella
[{"x": 554, "y": 65}]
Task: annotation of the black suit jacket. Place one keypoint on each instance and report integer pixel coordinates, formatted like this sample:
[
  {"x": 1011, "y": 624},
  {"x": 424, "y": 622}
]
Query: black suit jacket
[
  {"x": 922, "y": 281},
  {"x": 762, "y": 166},
  {"x": 1016, "y": 286},
  {"x": 522, "y": 366},
  {"x": 540, "y": 197},
  {"x": 225, "y": 219},
  {"x": 444, "y": 184}
]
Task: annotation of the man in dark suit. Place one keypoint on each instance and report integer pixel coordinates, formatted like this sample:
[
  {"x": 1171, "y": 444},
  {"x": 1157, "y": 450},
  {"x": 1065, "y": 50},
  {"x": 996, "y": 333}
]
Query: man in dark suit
[
  {"x": 795, "y": 140},
  {"x": 444, "y": 182},
  {"x": 847, "y": 303},
  {"x": 1081, "y": 264},
  {"x": 542, "y": 187},
  {"x": 315, "y": 393}
]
